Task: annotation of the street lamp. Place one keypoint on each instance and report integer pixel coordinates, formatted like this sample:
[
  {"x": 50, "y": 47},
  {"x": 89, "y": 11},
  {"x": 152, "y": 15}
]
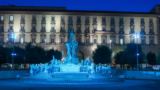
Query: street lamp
[
  {"x": 137, "y": 36},
  {"x": 13, "y": 36},
  {"x": 110, "y": 43}
]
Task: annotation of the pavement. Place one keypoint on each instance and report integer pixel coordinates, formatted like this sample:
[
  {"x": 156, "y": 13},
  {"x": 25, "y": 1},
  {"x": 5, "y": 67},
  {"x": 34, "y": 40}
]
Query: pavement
[{"x": 12, "y": 84}]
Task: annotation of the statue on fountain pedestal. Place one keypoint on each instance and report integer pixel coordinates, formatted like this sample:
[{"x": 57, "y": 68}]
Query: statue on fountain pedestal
[{"x": 71, "y": 46}]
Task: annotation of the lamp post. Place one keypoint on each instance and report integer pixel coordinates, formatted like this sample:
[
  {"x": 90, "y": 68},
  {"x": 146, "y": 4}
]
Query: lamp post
[
  {"x": 137, "y": 36},
  {"x": 110, "y": 43},
  {"x": 13, "y": 54}
]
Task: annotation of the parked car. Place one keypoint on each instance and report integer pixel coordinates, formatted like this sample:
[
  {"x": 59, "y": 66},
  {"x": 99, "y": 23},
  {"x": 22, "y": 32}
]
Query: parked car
[
  {"x": 156, "y": 67},
  {"x": 6, "y": 66},
  {"x": 148, "y": 68}
]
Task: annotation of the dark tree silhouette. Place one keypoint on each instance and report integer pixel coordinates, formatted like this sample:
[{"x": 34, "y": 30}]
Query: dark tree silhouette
[
  {"x": 102, "y": 55},
  {"x": 120, "y": 58},
  {"x": 151, "y": 57}
]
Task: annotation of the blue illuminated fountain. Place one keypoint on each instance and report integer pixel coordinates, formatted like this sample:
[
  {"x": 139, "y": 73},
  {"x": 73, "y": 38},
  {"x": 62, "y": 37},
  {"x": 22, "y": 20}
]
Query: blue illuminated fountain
[{"x": 70, "y": 69}]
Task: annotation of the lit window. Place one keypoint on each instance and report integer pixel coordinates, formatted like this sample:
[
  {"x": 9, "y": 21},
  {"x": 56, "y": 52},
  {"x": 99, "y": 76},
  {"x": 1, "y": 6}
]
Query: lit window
[
  {"x": 11, "y": 18},
  {"x": 2, "y": 18},
  {"x": 121, "y": 41},
  {"x": 21, "y": 40}
]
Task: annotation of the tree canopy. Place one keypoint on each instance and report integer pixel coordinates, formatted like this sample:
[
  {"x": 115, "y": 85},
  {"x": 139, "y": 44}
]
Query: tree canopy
[
  {"x": 151, "y": 57},
  {"x": 102, "y": 55},
  {"x": 129, "y": 55}
]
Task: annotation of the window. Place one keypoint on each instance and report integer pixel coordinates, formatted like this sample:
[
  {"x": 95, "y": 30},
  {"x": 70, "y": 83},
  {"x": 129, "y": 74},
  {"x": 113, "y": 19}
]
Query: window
[
  {"x": 87, "y": 40},
  {"x": 121, "y": 41},
  {"x": 94, "y": 20},
  {"x": 142, "y": 21},
  {"x": 52, "y": 29},
  {"x": 87, "y": 20},
  {"x": 1, "y": 28},
  {"x": 62, "y": 40},
  {"x": 103, "y": 28},
  {"x": 103, "y": 20},
  {"x": 112, "y": 21},
  {"x": 2, "y": 18},
  {"x": 43, "y": 29},
  {"x": 79, "y": 40},
  {"x": 121, "y": 30},
  {"x": 52, "y": 20},
  {"x": 21, "y": 40},
  {"x": 1, "y": 40},
  {"x": 33, "y": 28},
  {"x": 62, "y": 19},
  {"x": 113, "y": 40},
  {"x": 104, "y": 41},
  {"x": 151, "y": 31},
  {"x": 11, "y": 27},
  {"x": 121, "y": 21},
  {"x": 33, "y": 18},
  {"x": 11, "y": 18},
  {"x": 43, "y": 40},
  {"x": 132, "y": 30},
  {"x": 22, "y": 28},
  {"x": 43, "y": 18},
  {"x": 151, "y": 21},
  {"x": 112, "y": 28},
  {"x": 78, "y": 20},
  {"x": 143, "y": 41},
  {"x": 22, "y": 19},
  {"x": 132, "y": 21},
  {"x": 10, "y": 39},
  {"x": 95, "y": 41},
  {"x": 33, "y": 40},
  {"x": 52, "y": 40},
  {"x": 70, "y": 20},
  {"x": 151, "y": 41}
]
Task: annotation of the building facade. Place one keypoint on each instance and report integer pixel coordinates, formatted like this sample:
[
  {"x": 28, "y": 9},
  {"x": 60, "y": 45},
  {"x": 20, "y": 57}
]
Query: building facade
[{"x": 48, "y": 27}]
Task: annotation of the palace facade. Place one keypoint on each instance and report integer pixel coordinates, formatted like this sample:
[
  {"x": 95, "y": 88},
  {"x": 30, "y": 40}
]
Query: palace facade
[{"x": 48, "y": 27}]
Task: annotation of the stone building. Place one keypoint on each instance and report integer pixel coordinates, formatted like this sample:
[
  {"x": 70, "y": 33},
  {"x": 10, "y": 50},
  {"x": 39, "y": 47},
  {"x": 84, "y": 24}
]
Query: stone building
[{"x": 48, "y": 27}]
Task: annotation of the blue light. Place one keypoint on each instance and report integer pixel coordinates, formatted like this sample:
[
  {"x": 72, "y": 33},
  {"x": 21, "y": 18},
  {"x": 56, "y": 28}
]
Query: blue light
[
  {"x": 14, "y": 54},
  {"x": 13, "y": 35},
  {"x": 137, "y": 54},
  {"x": 136, "y": 35}
]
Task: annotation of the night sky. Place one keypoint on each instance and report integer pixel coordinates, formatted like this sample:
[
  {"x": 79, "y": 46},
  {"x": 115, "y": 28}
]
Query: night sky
[{"x": 94, "y": 5}]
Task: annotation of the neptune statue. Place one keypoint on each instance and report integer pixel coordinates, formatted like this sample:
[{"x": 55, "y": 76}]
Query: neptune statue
[{"x": 71, "y": 46}]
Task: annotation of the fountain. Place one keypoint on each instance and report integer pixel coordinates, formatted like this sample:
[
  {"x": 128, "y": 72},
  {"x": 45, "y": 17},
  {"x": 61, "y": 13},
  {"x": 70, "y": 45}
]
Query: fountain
[{"x": 70, "y": 69}]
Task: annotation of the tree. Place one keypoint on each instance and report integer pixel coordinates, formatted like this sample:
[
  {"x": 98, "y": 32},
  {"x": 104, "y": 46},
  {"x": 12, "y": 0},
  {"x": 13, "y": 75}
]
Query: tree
[
  {"x": 131, "y": 54},
  {"x": 20, "y": 55},
  {"x": 102, "y": 55},
  {"x": 35, "y": 54},
  {"x": 120, "y": 58},
  {"x": 151, "y": 57},
  {"x": 158, "y": 58},
  {"x": 2, "y": 55}
]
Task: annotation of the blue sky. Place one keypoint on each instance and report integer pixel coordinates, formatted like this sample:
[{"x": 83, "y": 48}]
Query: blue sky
[{"x": 93, "y": 5}]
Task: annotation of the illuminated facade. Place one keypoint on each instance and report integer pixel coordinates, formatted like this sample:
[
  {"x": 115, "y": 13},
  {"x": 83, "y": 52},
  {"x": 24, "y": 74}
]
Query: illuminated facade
[{"x": 41, "y": 25}]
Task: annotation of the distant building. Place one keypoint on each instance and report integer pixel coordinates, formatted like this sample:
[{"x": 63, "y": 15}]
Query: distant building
[{"x": 91, "y": 28}]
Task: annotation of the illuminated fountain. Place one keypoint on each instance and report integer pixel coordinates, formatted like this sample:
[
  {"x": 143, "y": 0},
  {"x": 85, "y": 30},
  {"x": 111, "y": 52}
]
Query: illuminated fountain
[{"x": 70, "y": 69}]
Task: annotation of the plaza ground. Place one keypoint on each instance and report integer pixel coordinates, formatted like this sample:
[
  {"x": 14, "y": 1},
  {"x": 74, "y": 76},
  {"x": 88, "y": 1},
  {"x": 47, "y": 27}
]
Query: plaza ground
[{"x": 11, "y": 84}]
